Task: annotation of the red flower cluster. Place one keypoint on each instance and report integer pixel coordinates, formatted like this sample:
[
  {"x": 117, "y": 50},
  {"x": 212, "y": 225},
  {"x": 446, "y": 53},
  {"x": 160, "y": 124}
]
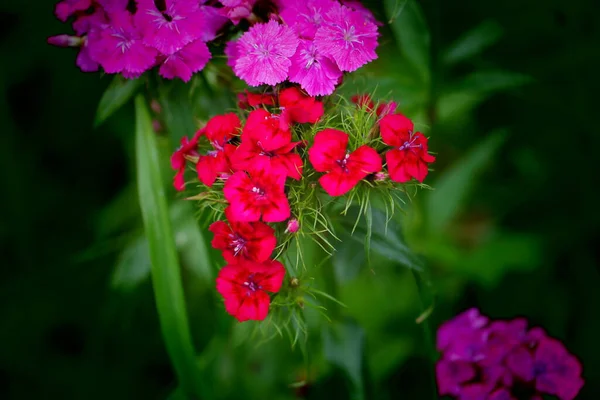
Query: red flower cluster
[{"x": 252, "y": 162}]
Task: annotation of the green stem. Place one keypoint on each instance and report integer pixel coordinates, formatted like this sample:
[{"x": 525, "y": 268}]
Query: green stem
[
  {"x": 429, "y": 341},
  {"x": 165, "y": 272}
]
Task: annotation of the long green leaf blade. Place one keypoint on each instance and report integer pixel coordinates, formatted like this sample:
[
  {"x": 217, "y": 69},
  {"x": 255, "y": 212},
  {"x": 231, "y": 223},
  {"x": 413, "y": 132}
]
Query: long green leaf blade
[
  {"x": 119, "y": 92},
  {"x": 166, "y": 275}
]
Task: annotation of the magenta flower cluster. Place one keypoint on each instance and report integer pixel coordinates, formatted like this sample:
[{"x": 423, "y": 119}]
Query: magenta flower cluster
[
  {"x": 503, "y": 360},
  {"x": 130, "y": 37},
  {"x": 311, "y": 43}
]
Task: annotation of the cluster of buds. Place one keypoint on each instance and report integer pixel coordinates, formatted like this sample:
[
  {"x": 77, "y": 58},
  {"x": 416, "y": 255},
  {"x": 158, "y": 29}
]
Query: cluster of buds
[{"x": 287, "y": 157}]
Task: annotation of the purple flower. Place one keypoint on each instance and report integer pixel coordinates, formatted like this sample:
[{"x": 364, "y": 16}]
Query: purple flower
[
  {"x": 84, "y": 61},
  {"x": 347, "y": 37},
  {"x": 462, "y": 337},
  {"x": 236, "y": 10},
  {"x": 86, "y": 22},
  {"x": 502, "y": 337},
  {"x": 305, "y": 17},
  {"x": 182, "y": 64},
  {"x": 501, "y": 394},
  {"x": 118, "y": 47},
  {"x": 213, "y": 21},
  {"x": 556, "y": 371},
  {"x": 315, "y": 73},
  {"x": 451, "y": 376},
  {"x": 66, "y": 8},
  {"x": 232, "y": 52},
  {"x": 168, "y": 25},
  {"x": 265, "y": 53}
]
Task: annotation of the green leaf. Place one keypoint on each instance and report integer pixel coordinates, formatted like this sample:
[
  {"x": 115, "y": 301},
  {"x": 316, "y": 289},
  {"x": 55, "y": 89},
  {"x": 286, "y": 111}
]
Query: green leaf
[
  {"x": 166, "y": 275},
  {"x": 385, "y": 239},
  {"x": 411, "y": 34},
  {"x": 485, "y": 82},
  {"x": 133, "y": 265},
  {"x": 343, "y": 344},
  {"x": 177, "y": 110},
  {"x": 454, "y": 185},
  {"x": 473, "y": 42},
  {"x": 119, "y": 92}
]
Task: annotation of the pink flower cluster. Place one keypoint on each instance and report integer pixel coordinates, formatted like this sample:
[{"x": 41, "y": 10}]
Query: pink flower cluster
[
  {"x": 315, "y": 42},
  {"x": 252, "y": 162},
  {"x": 130, "y": 37},
  {"x": 503, "y": 360}
]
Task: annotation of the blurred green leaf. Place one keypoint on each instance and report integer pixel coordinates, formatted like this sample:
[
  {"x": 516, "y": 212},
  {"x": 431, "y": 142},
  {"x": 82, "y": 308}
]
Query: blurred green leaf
[
  {"x": 119, "y": 92},
  {"x": 133, "y": 266},
  {"x": 177, "y": 110},
  {"x": 343, "y": 344},
  {"x": 385, "y": 239},
  {"x": 166, "y": 276},
  {"x": 454, "y": 185},
  {"x": 411, "y": 34},
  {"x": 483, "y": 82},
  {"x": 473, "y": 42}
]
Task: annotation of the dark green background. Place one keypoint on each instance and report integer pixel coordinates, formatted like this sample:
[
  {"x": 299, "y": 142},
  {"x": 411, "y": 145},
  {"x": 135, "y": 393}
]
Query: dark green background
[{"x": 67, "y": 333}]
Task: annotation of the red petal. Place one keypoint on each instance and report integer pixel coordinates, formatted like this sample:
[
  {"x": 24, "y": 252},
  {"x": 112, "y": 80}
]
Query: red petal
[
  {"x": 221, "y": 128},
  {"x": 329, "y": 146},
  {"x": 363, "y": 161},
  {"x": 338, "y": 183},
  {"x": 269, "y": 275},
  {"x": 395, "y": 129},
  {"x": 279, "y": 209},
  {"x": 178, "y": 181},
  {"x": 395, "y": 163},
  {"x": 254, "y": 307}
]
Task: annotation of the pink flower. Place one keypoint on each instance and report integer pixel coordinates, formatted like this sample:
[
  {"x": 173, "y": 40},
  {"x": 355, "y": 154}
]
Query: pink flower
[
  {"x": 316, "y": 73},
  {"x": 254, "y": 241},
  {"x": 344, "y": 169},
  {"x": 222, "y": 128},
  {"x": 66, "y": 8},
  {"x": 118, "y": 46},
  {"x": 267, "y": 147},
  {"x": 168, "y": 25},
  {"x": 409, "y": 157},
  {"x": 244, "y": 287},
  {"x": 248, "y": 99},
  {"x": 188, "y": 148},
  {"x": 232, "y": 52},
  {"x": 236, "y": 10},
  {"x": 259, "y": 194},
  {"x": 305, "y": 17},
  {"x": 265, "y": 52},
  {"x": 347, "y": 37},
  {"x": 185, "y": 62}
]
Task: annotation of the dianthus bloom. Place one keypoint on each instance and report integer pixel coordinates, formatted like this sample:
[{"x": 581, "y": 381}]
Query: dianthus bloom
[
  {"x": 344, "y": 169},
  {"x": 253, "y": 241},
  {"x": 347, "y": 37},
  {"x": 265, "y": 52},
  {"x": 188, "y": 149},
  {"x": 255, "y": 195},
  {"x": 408, "y": 157},
  {"x": 244, "y": 286},
  {"x": 499, "y": 359}
]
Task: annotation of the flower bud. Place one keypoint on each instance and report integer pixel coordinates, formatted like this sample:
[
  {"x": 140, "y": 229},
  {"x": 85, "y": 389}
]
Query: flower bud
[
  {"x": 65, "y": 41},
  {"x": 292, "y": 226}
]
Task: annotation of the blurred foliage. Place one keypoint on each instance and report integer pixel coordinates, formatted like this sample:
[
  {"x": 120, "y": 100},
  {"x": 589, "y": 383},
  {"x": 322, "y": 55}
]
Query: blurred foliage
[{"x": 505, "y": 91}]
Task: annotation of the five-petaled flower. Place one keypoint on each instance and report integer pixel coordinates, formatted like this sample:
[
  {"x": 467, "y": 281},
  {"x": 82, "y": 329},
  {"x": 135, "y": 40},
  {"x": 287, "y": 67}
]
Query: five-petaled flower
[
  {"x": 409, "y": 157},
  {"x": 253, "y": 241},
  {"x": 255, "y": 195},
  {"x": 244, "y": 286},
  {"x": 344, "y": 168}
]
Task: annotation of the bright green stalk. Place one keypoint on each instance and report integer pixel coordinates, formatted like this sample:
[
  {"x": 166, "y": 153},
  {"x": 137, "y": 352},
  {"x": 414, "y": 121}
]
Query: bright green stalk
[{"x": 166, "y": 276}]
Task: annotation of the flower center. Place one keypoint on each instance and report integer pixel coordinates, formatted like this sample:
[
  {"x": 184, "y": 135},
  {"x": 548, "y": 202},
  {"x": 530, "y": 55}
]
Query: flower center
[
  {"x": 409, "y": 144},
  {"x": 250, "y": 284},
  {"x": 264, "y": 152},
  {"x": 259, "y": 192},
  {"x": 343, "y": 162},
  {"x": 237, "y": 244}
]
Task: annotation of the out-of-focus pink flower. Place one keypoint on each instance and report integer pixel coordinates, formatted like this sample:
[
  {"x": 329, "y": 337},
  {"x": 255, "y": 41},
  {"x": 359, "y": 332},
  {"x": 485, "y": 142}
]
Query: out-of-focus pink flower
[{"x": 185, "y": 62}]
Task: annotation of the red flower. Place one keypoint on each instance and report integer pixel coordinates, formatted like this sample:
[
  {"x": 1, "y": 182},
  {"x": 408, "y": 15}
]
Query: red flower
[
  {"x": 345, "y": 169},
  {"x": 249, "y": 99},
  {"x": 188, "y": 148},
  {"x": 408, "y": 159},
  {"x": 254, "y": 241},
  {"x": 299, "y": 107},
  {"x": 221, "y": 128},
  {"x": 260, "y": 193},
  {"x": 267, "y": 147},
  {"x": 215, "y": 164},
  {"x": 244, "y": 287}
]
